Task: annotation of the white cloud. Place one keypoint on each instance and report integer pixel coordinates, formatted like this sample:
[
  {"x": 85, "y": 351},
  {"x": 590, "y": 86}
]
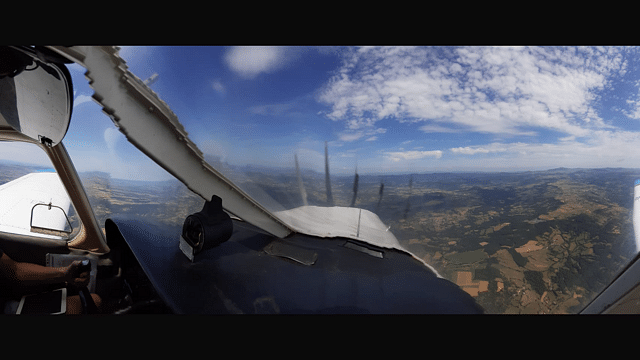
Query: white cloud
[
  {"x": 602, "y": 148},
  {"x": 437, "y": 129},
  {"x": 469, "y": 151},
  {"x": 80, "y": 99},
  {"x": 412, "y": 155},
  {"x": 249, "y": 61},
  {"x": 492, "y": 90},
  {"x": 369, "y": 131},
  {"x": 634, "y": 104},
  {"x": 350, "y": 136},
  {"x": 218, "y": 87},
  {"x": 483, "y": 149},
  {"x": 111, "y": 138}
]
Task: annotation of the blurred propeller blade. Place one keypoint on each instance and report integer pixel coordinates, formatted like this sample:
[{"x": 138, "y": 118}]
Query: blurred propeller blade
[
  {"x": 380, "y": 198},
  {"x": 355, "y": 188},
  {"x": 303, "y": 193},
  {"x": 406, "y": 210},
  {"x": 326, "y": 173}
]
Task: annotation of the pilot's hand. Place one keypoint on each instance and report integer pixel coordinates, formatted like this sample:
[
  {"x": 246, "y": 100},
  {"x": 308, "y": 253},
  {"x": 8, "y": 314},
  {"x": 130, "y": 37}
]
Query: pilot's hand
[{"x": 75, "y": 277}]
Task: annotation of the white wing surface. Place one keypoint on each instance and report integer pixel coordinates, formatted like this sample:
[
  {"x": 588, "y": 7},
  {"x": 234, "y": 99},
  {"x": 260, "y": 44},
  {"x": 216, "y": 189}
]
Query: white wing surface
[{"x": 18, "y": 197}]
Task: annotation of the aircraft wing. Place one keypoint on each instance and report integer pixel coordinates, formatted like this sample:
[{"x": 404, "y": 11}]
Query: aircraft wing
[{"x": 17, "y": 200}]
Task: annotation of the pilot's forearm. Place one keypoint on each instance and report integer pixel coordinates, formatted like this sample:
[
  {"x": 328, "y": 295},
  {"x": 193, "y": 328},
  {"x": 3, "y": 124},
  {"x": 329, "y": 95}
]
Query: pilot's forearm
[{"x": 30, "y": 275}]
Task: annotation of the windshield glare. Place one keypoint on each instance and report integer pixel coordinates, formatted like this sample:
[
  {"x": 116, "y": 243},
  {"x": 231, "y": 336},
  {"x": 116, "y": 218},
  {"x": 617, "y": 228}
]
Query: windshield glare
[{"x": 510, "y": 170}]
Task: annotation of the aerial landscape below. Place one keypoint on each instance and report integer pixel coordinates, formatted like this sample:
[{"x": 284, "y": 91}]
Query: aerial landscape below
[
  {"x": 533, "y": 243},
  {"x": 543, "y": 242}
]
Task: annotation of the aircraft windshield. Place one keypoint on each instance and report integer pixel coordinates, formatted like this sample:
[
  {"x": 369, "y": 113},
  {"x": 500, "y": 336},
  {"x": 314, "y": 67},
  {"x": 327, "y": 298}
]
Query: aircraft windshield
[{"x": 508, "y": 169}]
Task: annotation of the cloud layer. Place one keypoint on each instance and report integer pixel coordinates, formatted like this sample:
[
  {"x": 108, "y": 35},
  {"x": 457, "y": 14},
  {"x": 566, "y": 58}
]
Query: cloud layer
[
  {"x": 558, "y": 106},
  {"x": 489, "y": 90}
]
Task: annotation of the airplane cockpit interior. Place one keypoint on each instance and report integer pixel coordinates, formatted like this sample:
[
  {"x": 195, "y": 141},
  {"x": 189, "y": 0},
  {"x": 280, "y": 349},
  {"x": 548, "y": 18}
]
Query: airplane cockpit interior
[{"x": 319, "y": 180}]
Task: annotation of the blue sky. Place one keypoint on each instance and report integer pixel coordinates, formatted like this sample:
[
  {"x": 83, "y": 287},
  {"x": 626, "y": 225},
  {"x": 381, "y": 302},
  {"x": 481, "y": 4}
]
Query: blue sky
[{"x": 385, "y": 109}]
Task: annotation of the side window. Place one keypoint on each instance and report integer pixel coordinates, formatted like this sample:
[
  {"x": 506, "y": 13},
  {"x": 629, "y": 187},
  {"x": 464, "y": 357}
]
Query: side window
[{"x": 33, "y": 200}]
